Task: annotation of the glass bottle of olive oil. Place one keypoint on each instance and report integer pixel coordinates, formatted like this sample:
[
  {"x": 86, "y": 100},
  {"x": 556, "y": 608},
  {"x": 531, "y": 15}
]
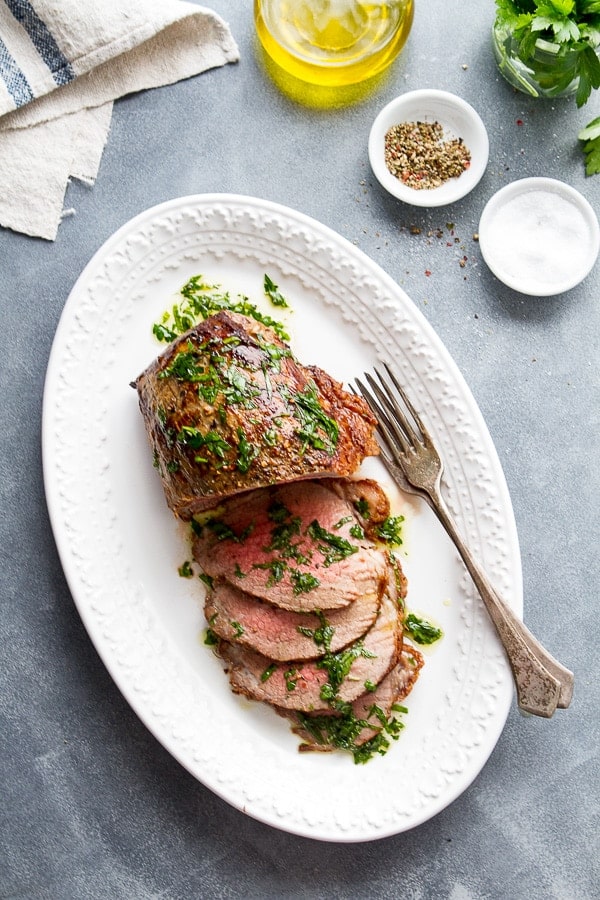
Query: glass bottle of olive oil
[{"x": 332, "y": 43}]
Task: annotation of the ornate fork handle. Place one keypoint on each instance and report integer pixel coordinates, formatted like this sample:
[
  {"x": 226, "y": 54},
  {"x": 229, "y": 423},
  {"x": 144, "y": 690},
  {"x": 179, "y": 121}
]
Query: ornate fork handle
[{"x": 542, "y": 683}]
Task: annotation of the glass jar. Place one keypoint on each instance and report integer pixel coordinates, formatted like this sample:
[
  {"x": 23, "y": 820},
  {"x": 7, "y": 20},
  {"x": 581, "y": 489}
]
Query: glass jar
[
  {"x": 331, "y": 43},
  {"x": 551, "y": 70}
]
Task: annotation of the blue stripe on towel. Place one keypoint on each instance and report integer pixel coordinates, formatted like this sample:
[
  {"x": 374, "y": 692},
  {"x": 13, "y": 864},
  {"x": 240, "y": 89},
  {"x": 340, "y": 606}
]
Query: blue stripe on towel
[
  {"x": 42, "y": 40},
  {"x": 16, "y": 83}
]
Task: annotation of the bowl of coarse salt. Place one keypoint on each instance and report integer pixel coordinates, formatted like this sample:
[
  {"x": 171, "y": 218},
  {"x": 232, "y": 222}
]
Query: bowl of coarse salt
[
  {"x": 539, "y": 236},
  {"x": 428, "y": 148}
]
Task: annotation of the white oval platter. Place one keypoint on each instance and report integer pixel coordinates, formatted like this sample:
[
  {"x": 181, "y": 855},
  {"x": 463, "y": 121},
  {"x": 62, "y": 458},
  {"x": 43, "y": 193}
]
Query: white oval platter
[{"x": 121, "y": 547}]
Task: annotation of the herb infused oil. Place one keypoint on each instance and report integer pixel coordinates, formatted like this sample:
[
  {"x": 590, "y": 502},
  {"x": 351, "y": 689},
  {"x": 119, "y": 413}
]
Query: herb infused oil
[{"x": 332, "y": 43}]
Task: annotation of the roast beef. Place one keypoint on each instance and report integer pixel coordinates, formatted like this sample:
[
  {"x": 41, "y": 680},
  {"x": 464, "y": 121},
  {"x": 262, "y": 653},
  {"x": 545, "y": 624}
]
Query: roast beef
[
  {"x": 368, "y": 500},
  {"x": 280, "y": 634},
  {"x": 314, "y": 729},
  {"x": 299, "y": 685},
  {"x": 298, "y": 546},
  {"x": 227, "y": 408}
]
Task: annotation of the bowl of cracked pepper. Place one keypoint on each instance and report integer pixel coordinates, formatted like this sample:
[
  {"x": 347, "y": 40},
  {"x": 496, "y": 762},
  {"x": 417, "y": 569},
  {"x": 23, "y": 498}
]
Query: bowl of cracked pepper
[{"x": 428, "y": 148}]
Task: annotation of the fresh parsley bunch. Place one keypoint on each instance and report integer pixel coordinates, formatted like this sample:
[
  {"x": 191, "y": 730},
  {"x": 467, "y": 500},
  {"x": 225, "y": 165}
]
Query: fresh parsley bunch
[{"x": 572, "y": 25}]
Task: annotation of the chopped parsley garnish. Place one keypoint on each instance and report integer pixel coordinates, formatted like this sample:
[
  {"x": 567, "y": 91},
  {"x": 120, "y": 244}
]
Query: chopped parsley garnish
[
  {"x": 322, "y": 635},
  {"x": 274, "y": 294},
  {"x": 201, "y": 300},
  {"x": 421, "y": 631},
  {"x": 362, "y": 507},
  {"x": 343, "y": 521},
  {"x": 277, "y": 512},
  {"x": 237, "y": 388},
  {"x": 276, "y": 568},
  {"x": 185, "y": 569},
  {"x": 237, "y": 628},
  {"x": 247, "y": 452},
  {"x": 390, "y": 530},
  {"x": 268, "y": 672},
  {"x": 338, "y": 665},
  {"x": 224, "y": 532},
  {"x": 196, "y": 527},
  {"x": 286, "y": 528},
  {"x": 274, "y": 353},
  {"x": 270, "y": 437},
  {"x": 343, "y": 730},
  {"x": 291, "y": 679},
  {"x": 303, "y": 582},
  {"x": 211, "y": 442},
  {"x": 185, "y": 366},
  {"x": 333, "y": 547},
  {"x": 210, "y": 638},
  {"x": 213, "y": 375},
  {"x": 317, "y": 429},
  {"x": 206, "y": 579}
]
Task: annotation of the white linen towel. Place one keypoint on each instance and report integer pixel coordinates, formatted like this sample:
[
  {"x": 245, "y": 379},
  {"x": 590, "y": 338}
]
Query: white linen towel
[{"x": 62, "y": 63}]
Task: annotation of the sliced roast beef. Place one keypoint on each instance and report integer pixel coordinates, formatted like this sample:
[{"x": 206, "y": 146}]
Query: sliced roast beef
[
  {"x": 299, "y": 685},
  {"x": 318, "y": 729},
  {"x": 227, "y": 407},
  {"x": 280, "y": 634},
  {"x": 368, "y": 500},
  {"x": 298, "y": 546}
]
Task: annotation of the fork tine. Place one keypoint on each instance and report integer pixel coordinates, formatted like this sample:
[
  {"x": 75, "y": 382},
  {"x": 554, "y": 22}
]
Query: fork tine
[
  {"x": 396, "y": 412},
  {"x": 406, "y": 400},
  {"x": 388, "y": 427},
  {"x": 386, "y": 403}
]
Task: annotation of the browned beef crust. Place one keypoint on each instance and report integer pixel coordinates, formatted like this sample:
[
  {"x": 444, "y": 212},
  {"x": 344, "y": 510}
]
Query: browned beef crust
[{"x": 227, "y": 407}]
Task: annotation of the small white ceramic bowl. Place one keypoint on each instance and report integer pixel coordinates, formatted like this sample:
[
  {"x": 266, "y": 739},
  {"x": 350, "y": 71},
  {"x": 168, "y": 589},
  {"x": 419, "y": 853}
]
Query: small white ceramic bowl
[
  {"x": 457, "y": 118},
  {"x": 539, "y": 236}
]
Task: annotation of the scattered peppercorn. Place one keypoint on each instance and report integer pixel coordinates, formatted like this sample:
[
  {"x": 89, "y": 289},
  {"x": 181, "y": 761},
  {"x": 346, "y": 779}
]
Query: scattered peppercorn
[{"x": 417, "y": 154}]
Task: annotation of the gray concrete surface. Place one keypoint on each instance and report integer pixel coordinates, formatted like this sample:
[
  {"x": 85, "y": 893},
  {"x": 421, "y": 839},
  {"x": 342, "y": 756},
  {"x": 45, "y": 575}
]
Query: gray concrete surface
[{"x": 92, "y": 807}]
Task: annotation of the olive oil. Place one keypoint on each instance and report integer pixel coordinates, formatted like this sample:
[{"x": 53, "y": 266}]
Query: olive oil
[{"x": 332, "y": 43}]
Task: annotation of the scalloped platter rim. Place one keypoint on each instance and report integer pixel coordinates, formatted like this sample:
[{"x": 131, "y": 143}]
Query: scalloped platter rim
[{"x": 120, "y": 546}]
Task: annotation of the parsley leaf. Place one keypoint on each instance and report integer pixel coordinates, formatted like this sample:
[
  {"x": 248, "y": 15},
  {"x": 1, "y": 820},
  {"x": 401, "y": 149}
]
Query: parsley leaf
[
  {"x": 590, "y": 137},
  {"x": 421, "y": 631},
  {"x": 274, "y": 294}
]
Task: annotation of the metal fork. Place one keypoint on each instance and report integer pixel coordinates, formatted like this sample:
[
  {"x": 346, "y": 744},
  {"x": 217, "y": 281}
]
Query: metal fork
[{"x": 542, "y": 683}]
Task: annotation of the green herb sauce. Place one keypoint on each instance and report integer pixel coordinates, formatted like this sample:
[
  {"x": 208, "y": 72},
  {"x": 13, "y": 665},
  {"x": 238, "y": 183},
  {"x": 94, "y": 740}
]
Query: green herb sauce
[
  {"x": 390, "y": 531},
  {"x": 421, "y": 631},
  {"x": 201, "y": 300},
  {"x": 317, "y": 429},
  {"x": 274, "y": 294},
  {"x": 333, "y": 547}
]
